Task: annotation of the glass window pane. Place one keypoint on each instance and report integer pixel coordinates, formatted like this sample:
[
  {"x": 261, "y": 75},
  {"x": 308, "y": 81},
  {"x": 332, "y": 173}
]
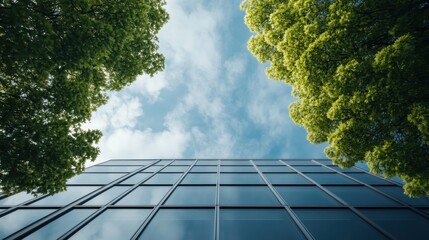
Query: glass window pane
[
  {"x": 401, "y": 223},
  {"x": 240, "y": 178},
  {"x": 306, "y": 196},
  {"x": 267, "y": 162},
  {"x": 192, "y": 195},
  {"x": 207, "y": 162},
  {"x": 58, "y": 227},
  {"x": 256, "y": 224},
  {"x": 181, "y": 224},
  {"x": 368, "y": 179},
  {"x": 346, "y": 170},
  {"x": 275, "y": 169},
  {"x": 361, "y": 196},
  {"x": 237, "y": 169},
  {"x": 112, "y": 168},
  {"x": 128, "y": 162},
  {"x": 286, "y": 178},
  {"x": 336, "y": 224},
  {"x": 19, "y": 219},
  {"x": 330, "y": 178},
  {"x": 235, "y": 162},
  {"x": 398, "y": 193},
  {"x": 113, "y": 224},
  {"x": 106, "y": 196},
  {"x": 147, "y": 195},
  {"x": 136, "y": 178},
  {"x": 300, "y": 162},
  {"x": 182, "y": 162},
  {"x": 94, "y": 178},
  {"x": 152, "y": 168},
  {"x": 204, "y": 169},
  {"x": 66, "y": 197},
  {"x": 16, "y": 199},
  {"x": 305, "y": 169},
  {"x": 175, "y": 169},
  {"x": 199, "y": 178},
  {"x": 164, "y": 178},
  {"x": 247, "y": 195}
]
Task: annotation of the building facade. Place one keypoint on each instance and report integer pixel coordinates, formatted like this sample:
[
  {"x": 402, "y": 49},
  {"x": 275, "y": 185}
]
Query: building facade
[{"x": 218, "y": 199}]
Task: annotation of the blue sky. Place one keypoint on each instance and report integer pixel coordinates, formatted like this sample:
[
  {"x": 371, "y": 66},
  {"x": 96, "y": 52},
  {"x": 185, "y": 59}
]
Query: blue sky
[{"x": 213, "y": 100}]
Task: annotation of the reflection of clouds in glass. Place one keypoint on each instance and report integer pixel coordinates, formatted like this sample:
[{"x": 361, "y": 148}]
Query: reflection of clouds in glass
[
  {"x": 107, "y": 196},
  {"x": 61, "y": 225},
  {"x": 16, "y": 199},
  {"x": 66, "y": 197},
  {"x": 95, "y": 178},
  {"x": 183, "y": 224},
  {"x": 146, "y": 195},
  {"x": 113, "y": 224},
  {"x": 18, "y": 219}
]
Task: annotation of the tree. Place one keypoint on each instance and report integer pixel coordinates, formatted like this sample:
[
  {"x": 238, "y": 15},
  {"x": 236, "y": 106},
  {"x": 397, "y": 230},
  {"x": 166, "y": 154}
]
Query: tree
[
  {"x": 58, "y": 60},
  {"x": 360, "y": 72}
]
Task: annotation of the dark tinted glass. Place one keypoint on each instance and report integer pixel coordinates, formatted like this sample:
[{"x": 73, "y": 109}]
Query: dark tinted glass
[
  {"x": 112, "y": 168},
  {"x": 267, "y": 162},
  {"x": 274, "y": 169},
  {"x": 299, "y": 162},
  {"x": 336, "y": 224},
  {"x": 346, "y": 170},
  {"x": 240, "y": 178},
  {"x": 113, "y": 224},
  {"x": 181, "y": 224},
  {"x": 18, "y": 219},
  {"x": 64, "y": 198},
  {"x": 306, "y": 196},
  {"x": 330, "y": 178},
  {"x": 398, "y": 193},
  {"x": 401, "y": 223},
  {"x": 368, "y": 179},
  {"x": 136, "y": 178},
  {"x": 256, "y": 224},
  {"x": 306, "y": 169},
  {"x": 16, "y": 199},
  {"x": 147, "y": 195},
  {"x": 106, "y": 196},
  {"x": 192, "y": 195},
  {"x": 247, "y": 195},
  {"x": 164, "y": 178},
  {"x": 95, "y": 178},
  {"x": 199, "y": 178},
  {"x": 286, "y": 178},
  {"x": 361, "y": 196},
  {"x": 61, "y": 225}
]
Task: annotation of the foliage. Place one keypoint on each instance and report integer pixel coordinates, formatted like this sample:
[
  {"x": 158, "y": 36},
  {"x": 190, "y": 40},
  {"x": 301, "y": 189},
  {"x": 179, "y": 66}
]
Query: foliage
[
  {"x": 58, "y": 59},
  {"x": 360, "y": 71}
]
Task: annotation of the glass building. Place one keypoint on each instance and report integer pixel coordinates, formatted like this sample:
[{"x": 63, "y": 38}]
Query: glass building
[{"x": 219, "y": 199}]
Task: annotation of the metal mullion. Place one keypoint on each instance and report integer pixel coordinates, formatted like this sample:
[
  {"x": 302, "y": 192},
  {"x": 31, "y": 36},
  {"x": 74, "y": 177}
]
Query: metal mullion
[
  {"x": 296, "y": 220},
  {"x": 156, "y": 208},
  {"x": 76, "y": 228},
  {"x": 416, "y": 210},
  {"x": 217, "y": 200},
  {"x": 51, "y": 217},
  {"x": 351, "y": 208}
]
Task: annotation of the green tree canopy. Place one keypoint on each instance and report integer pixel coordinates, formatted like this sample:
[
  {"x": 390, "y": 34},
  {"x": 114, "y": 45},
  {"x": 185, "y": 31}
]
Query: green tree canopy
[
  {"x": 58, "y": 59},
  {"x": 360, "y": 72}
]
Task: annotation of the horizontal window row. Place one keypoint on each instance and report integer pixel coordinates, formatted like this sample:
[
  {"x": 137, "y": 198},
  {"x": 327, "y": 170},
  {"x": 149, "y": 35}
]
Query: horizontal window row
[
  {"x": 234, "y": 224},
  {"x": 305, "y": 195}
]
